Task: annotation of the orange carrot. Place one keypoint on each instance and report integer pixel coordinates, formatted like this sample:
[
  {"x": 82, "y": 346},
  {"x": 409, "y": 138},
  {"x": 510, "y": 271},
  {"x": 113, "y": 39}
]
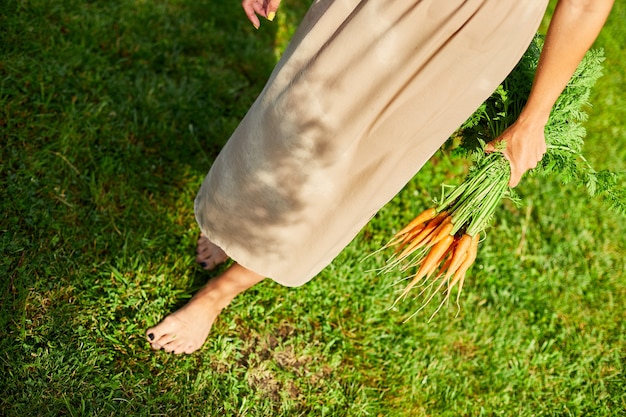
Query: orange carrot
[
  {"x": 442, "y": 230},
  {"x": 403, "y": 240},
  {"x": 454, "y": 262},
  {"x": 407, "y": 238},
  {"x": 423, "y": 217},
  {"x": 444, "y": 260},
  {"x": 431, "y": 261},
  {"x": 459, "y": 254},
  {"x": 472, "y": 251},
  {"x": 448, "y": 256},
  {"x": 424, "y": 236}
]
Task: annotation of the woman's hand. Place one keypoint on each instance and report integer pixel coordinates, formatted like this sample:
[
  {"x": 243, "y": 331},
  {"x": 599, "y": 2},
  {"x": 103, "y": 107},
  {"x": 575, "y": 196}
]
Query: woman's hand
[
  {"x": 574, "y": 26},
  {"x": 525, "y": 146},
  {"x": 265, "y": 8}
]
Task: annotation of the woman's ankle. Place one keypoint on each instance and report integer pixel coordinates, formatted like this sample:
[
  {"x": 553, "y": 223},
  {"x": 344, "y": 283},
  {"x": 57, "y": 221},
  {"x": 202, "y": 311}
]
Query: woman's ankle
[{"x": 232, "y": 282}]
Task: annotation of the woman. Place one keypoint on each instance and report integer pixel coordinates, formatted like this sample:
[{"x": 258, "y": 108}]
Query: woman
[{"x": 363, "y": 96}]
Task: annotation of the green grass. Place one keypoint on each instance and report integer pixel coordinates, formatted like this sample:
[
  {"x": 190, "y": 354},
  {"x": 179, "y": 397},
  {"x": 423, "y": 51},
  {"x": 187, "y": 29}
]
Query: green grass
[{"x": 110, "y": 115}]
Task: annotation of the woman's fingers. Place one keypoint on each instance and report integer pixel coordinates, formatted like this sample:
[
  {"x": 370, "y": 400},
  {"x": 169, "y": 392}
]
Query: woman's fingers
[
  {"x": 272, "y": 7},
  {"x": 525, "y": 156},
  {"x": 249, "y": 9},
  {"x": 516, "y": 173},
  {"x": 260, "y": 7},
  {"x": 525, "y": 147},
  {"x": 256, "y": 8},
  {"x": 490, "y": 147}
]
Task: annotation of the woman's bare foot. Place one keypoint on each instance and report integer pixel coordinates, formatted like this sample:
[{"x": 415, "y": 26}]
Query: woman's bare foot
[
  {"x": 186, "y": 330},
  {"x": 209, "y": 255}
]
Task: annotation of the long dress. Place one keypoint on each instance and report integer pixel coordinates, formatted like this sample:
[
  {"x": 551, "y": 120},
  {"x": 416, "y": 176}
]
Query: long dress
[{"x": 365, "y": 93}]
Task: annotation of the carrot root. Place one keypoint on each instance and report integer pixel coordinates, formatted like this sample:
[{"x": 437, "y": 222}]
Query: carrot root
[
  {"x": 430, "y": 262},
  {"x": 423, "y": 217}
]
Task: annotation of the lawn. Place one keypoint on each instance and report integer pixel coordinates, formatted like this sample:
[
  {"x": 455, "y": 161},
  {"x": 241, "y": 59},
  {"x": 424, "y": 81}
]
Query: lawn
[{"x": 110, "y": 116}]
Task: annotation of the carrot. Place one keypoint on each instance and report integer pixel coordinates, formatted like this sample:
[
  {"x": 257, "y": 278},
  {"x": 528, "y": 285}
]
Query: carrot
[
  {"x": 402, "y": 241},
  {"x": 423, "y": 217},
  {"x": 459, "y": 275},
  {"x": 424, "y": 236},
  {"x": 410, "y": 231},
  {"x": 434, "y": 237},
  {"x": 472, "y": 252},
  {"x": 442, "y": 230},
  {"x": 448, "y": 259},
  {"x": 431, "y": 261},
  {"x": 444, "y": 260},
  {"x": 413, "y": 228},
  {"x": 459, "y": 254}
]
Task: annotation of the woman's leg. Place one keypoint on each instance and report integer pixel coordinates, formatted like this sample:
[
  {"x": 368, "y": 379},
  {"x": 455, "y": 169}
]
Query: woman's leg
[{"x": 186, "y": 330}]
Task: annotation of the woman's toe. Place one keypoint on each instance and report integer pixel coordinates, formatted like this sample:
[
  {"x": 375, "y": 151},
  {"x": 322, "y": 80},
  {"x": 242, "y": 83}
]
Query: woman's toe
[
  {"x": 203, "y": 244},
  {"x": 173, "y": 346},
  {"x": 209, "y": 255},
  {"x": 163, "y": 333}
]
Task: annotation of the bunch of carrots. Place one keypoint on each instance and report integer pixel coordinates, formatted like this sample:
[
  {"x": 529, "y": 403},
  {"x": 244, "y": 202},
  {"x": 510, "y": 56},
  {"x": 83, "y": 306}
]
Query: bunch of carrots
[{"x": 442, "y": 242}]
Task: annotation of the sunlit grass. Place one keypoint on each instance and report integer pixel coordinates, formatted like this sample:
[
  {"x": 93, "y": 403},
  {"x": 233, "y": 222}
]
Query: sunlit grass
[{"x": 110, "y": 116}]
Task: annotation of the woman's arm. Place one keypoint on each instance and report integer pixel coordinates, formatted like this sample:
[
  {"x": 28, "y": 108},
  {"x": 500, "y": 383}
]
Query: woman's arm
[
  {"x": 265, "y": 8},
  {"x": 574, "y": 26}
]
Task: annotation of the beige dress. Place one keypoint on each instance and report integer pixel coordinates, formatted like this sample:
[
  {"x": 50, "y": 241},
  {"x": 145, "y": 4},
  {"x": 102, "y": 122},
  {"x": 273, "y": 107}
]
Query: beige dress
[{"x": 365, "y": 93}]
